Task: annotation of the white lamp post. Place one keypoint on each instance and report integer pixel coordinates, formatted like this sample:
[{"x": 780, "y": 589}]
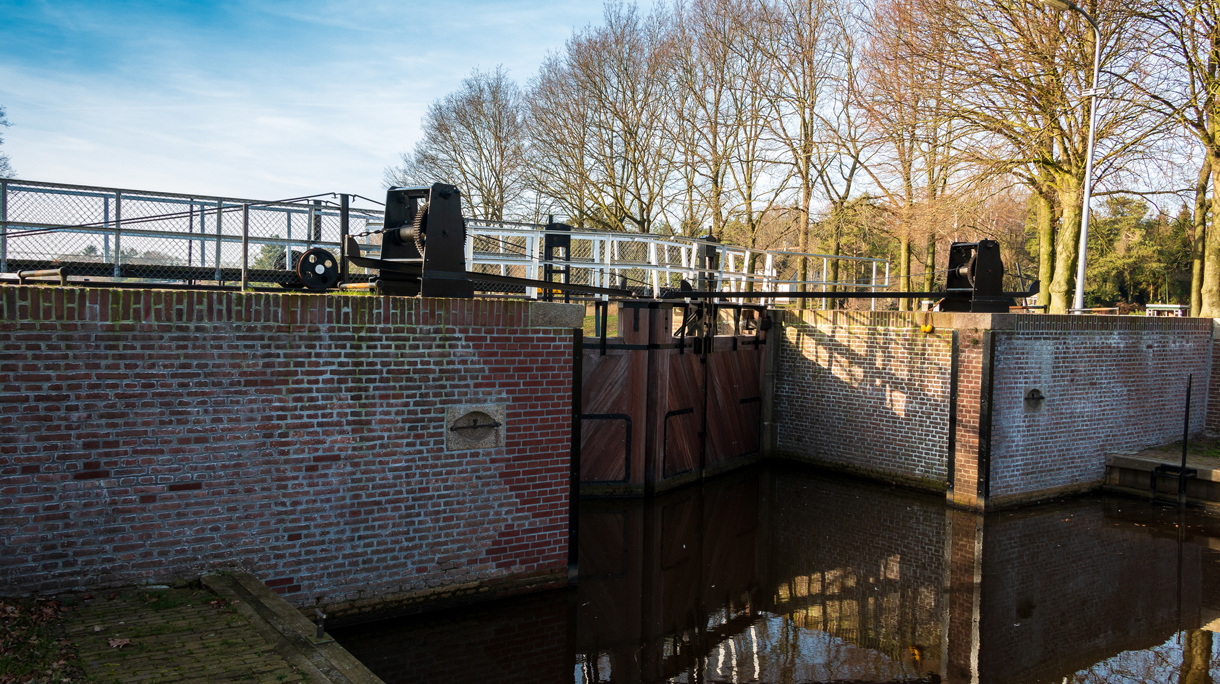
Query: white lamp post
[{"x": 1063, "y": 6}]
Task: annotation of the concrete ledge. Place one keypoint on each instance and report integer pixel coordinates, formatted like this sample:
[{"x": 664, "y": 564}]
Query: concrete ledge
[
  {"x": 293, "y": 636},
  {"x": 408, "y": 603},
  {"x": 556, "y": 315},
  {"x": 1129, "y": 474}
]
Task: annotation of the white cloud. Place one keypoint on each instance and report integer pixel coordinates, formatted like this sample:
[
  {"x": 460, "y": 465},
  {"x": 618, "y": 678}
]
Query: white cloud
[{"x": 122, "y": 100}]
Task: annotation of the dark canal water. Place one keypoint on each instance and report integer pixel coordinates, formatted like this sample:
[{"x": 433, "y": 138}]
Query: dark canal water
[{"x": 780, "y": 575}]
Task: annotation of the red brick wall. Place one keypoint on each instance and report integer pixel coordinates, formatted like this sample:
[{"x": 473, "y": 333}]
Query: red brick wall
[
  {"x": 1111, "y": 384},
  {"x": 970, "y": 372},
  {"x": 865, "y": 392},
  {"x": 147, "y": 436}
]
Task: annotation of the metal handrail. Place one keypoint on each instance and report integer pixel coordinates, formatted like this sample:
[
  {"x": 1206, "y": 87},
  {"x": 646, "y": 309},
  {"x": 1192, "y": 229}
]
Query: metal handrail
[{"x": 43, "y": 222}]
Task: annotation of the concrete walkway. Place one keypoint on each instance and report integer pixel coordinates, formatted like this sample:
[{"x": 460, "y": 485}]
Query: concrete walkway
[
  {"x": 171, "y": 635},
  {"x": 233, "y": 629}
]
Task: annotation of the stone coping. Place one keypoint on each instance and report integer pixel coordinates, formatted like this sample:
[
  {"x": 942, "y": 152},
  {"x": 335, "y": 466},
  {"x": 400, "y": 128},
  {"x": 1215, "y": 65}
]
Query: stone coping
[
  {"x": 292, "y": 635},
  {"x": 1016, "y": 322},
  {"x": 44, "y": 303},
  {"x": 1145, "y": 464}
]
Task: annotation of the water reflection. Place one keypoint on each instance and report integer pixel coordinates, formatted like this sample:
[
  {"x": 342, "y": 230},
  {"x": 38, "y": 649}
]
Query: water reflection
[{"x": 777, "y": 575}]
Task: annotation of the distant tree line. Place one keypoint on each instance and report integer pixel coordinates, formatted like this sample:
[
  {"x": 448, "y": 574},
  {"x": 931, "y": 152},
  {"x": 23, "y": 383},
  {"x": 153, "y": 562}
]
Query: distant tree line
[{"x": 866, "y": 128}]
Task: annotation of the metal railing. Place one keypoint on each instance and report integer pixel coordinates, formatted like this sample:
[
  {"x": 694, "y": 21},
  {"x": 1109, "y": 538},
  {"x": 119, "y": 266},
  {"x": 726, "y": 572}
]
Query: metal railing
[{"x": 111, "y": 234}]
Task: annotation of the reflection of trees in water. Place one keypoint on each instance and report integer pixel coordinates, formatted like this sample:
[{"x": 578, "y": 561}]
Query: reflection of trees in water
[{"x": 1189, "y": 657}]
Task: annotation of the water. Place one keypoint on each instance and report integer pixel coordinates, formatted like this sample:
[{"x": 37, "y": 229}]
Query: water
[{"x": 780, "y": 575}]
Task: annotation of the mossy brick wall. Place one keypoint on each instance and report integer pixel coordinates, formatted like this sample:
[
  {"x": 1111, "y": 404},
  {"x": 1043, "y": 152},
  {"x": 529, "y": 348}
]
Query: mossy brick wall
[{"x": 153, "y": 435}]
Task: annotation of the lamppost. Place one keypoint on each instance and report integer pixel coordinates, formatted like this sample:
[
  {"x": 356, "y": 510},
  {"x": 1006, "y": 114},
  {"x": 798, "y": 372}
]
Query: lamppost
[{"x": 1063, "y": 6}]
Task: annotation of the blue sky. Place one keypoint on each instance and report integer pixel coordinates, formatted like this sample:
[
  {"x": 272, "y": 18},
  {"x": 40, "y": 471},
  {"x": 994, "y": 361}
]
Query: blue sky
[{"x": 248, "y": 99}]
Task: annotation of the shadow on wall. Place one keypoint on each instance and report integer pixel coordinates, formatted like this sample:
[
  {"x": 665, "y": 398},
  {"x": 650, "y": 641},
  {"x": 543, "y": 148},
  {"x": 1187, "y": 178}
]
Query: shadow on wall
[{"x": 868, "y": 398}]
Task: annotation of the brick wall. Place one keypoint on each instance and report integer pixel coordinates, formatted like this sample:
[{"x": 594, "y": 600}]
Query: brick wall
[
  {"x": 870, "y": 393},
  {"x": 1111, "y": 384},
  {"x": 147, "y": 436},
  {"x": 865, "y": 392}
]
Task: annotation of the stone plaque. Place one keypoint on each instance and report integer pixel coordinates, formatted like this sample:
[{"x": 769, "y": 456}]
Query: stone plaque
[{"x": 474, "y": 426}]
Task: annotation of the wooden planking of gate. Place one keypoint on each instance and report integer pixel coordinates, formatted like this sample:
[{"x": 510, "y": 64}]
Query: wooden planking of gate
[{"x": 659, "y": 411}]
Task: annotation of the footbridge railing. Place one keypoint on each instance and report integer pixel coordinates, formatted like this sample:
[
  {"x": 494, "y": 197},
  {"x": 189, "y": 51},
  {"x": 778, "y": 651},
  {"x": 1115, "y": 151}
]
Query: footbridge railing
[{"x": 123, "y": 236}]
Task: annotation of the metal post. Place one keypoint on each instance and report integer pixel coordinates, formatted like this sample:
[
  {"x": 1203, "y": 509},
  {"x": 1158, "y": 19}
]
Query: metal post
[
  {"x": 219, "y": 213},
  {"x": 106, "y": 230},
  {"x": 3, "y": 226},
  {"x": 652, "y": 259},
  {"x": 245, "y": 246},
  {"x": 874, "y": 287},
  {"x": 315, "y": 222},
  {"x": 288, "y": 246},
  {"x": 190, "y": 230},
  {"x": 118, "y": 232},
  {"x": 1078, "y": 300},
  {"x": 343, "y": 226},
  {"x": 825, "y": 266}
]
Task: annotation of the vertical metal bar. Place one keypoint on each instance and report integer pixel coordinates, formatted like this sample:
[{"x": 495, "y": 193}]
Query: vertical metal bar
[
  {"x": 203, "y": 229},
  {"x": 219, "y": 213},
  {"x": 118, "y": 232},
  {"x": 190, "y": 230},
  {"x": 532, "y": 246},
  {"x": 874, "y": 287},
  {"x": 656, "y": 262},
  {"x": 3, "y": 225},
  {"x": 469, "y": 250},
  {"x": 288, "y": 247},
  {"x": 245, "y": 246},
  {"x": 825, "y": 267},
  {"x": 315, "y": 222},
  {"x": 343, "y": 226},
  {"x": 106, "y": 230}
]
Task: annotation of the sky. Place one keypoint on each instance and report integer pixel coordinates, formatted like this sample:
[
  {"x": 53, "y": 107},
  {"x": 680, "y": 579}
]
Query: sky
[{"x": 258, "y": 100}]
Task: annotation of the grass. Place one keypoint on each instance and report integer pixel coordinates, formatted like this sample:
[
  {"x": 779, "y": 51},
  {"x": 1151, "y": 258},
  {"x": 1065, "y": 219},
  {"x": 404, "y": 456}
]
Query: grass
[
  {"x": 31, "y": 645},
  {"x": 611, "y": 330}
]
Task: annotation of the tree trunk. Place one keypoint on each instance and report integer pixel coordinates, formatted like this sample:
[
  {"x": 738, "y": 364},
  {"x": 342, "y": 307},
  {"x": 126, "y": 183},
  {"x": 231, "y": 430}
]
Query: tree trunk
[
  {"x": 1209, "y": 292},
  {"x": 904, "y": 269},
  {"x": 1046, "y": 247},
  {"x": 929, "y": 273},
  {"x": 835, "y": 250},
  {"x": 1065, "y": 246},
  {"x": 803, "y": 218},
  {"x": 1198, "y": 244}
]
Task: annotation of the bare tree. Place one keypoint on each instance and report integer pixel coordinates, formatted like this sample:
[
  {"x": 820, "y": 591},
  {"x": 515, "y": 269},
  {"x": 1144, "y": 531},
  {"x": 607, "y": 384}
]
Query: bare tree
[
  {"x": 910, "y": 116},
  {"x": 6, "y": 169},
  {"x": 1185, "y": 36},
  {"x": 618, "y": 79},
  {"x": 1019, "y": 74},
  {"x": 794, "y": 36},
  {"x": 474, "y": 138}
]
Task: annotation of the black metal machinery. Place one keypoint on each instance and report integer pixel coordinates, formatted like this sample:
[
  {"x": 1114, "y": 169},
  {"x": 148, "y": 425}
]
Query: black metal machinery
[
  {"x": 975, "y": 281},
  {"x": 423, "y": 253},
  {"x": 423, "y": 250}
]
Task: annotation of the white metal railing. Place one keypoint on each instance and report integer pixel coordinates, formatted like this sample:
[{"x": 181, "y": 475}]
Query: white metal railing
[{"x": 44, "y": 223}]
